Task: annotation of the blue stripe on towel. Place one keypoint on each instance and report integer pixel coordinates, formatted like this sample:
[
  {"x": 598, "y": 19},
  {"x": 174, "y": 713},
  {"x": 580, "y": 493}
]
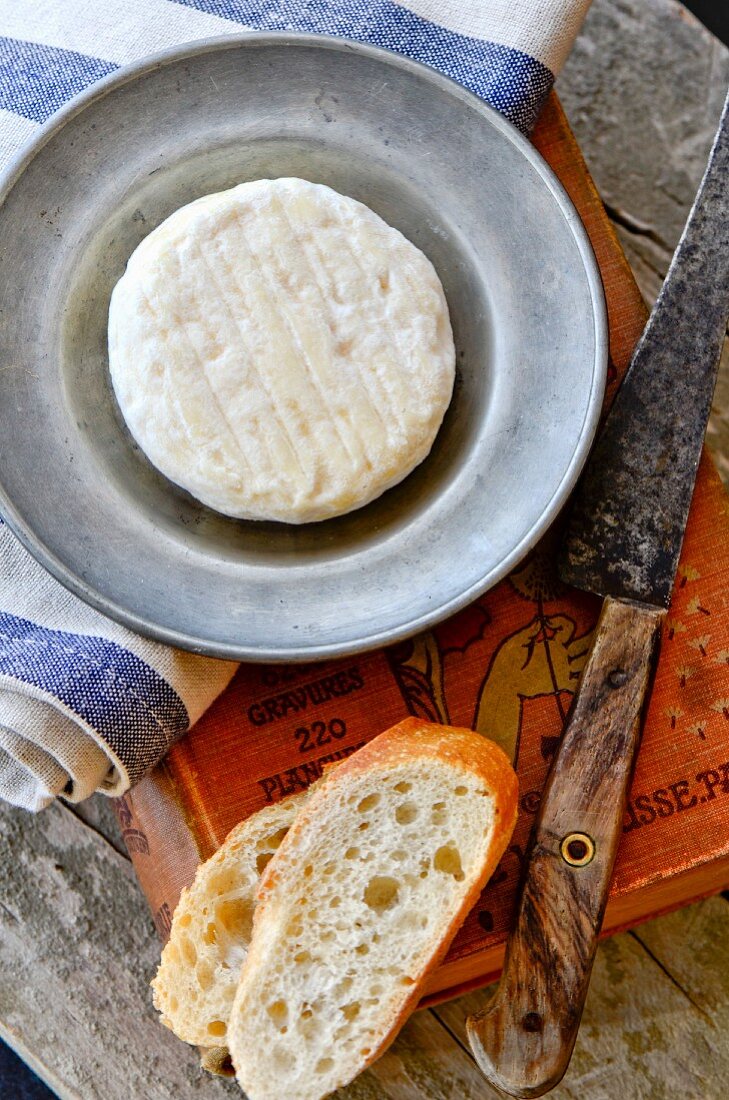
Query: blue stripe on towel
[
  {"x": 120, "y": 696},
  {"x": 36, "y": 80},
  {"x": 509, "y": 80}
]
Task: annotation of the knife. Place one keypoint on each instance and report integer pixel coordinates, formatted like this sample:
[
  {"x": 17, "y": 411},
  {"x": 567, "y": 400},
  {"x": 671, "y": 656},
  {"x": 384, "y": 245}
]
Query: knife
[{"x": 623, "y": 540}]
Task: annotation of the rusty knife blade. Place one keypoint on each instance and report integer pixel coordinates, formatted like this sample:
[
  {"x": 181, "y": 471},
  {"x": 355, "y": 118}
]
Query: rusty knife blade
[{"x": 627, "y": 522}]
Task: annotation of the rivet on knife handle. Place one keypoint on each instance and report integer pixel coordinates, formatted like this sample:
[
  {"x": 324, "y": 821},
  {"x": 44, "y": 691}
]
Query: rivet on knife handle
[{"x": 524, "y": 1038}]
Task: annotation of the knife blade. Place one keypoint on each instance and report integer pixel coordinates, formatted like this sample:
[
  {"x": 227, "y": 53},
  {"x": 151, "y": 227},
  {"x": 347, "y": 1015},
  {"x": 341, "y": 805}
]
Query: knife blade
[{"x": 623, "y": 541}]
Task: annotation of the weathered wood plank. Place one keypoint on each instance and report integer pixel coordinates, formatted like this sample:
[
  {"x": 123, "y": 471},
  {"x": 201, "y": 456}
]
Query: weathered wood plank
[
  {"x": 643, "y": 89},
  {"x": 426, "y": 1062},
  {"x": 644, "y": 1035},
  {"x": 98, "y": 813},
  {"x": 692, "y": 945},
  {"x": 77, "y": 950}
]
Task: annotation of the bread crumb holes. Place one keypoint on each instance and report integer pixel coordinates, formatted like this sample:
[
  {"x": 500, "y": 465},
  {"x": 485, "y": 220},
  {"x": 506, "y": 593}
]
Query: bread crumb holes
[
  {"x": 189, "y": 954},
  {"x": 381, "y": 893},
  {"x": 448, "y": 860},
  {"x": 279, "y": 1012},
  {"x": 406, "y": 813},
  {"x": 368, "y": 803},
  {"x": 262, "y": 861}
]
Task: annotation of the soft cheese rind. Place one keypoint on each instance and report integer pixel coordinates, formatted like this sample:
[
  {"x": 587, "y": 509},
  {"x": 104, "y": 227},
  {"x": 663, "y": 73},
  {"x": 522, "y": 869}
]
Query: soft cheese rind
[{"x": 281, "y": 352}]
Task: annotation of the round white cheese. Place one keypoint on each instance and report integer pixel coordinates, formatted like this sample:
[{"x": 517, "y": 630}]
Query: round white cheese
[{"x": 280, "y": 352}]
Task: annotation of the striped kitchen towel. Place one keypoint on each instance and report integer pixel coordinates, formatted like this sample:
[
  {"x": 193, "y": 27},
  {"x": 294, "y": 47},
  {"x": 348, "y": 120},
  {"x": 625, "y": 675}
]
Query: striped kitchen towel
[{"x": 85, "y": 704}]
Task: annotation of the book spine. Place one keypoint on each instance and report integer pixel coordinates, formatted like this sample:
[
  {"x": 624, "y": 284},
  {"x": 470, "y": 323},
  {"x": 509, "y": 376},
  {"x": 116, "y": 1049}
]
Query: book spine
[{"x": 161, "y": 843}]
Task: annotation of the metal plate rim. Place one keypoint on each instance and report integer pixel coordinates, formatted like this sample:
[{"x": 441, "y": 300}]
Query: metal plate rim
[{"x": 302, "y": 653}]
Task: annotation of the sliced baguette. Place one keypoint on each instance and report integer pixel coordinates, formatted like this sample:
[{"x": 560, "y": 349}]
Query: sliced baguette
[
  {"x": 361, "y": 902},
  {"x": 211, "y": 929}
]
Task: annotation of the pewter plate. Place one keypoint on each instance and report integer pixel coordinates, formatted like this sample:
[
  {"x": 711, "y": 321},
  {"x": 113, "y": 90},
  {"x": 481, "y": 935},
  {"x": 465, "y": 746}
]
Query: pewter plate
[{"x": 522, "y": 287}]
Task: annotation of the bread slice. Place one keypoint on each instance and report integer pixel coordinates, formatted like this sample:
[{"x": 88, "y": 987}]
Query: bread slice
[
  {"x": 211, "y": 929},
  {"x": 361, "y": 902}
]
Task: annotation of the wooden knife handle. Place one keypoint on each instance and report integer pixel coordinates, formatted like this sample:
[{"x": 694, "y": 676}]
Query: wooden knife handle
[{"x": 523, "y": 1040}]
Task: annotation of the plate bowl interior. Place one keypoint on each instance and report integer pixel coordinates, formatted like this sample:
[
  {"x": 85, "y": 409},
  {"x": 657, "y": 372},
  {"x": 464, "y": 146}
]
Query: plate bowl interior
[
  {"x": 87, "y": 384},
  {"x": 525, "y": 307}
]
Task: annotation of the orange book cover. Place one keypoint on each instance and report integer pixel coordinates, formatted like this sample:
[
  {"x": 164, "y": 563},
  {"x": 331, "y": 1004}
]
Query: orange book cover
[{"x": 507, "y": 666}]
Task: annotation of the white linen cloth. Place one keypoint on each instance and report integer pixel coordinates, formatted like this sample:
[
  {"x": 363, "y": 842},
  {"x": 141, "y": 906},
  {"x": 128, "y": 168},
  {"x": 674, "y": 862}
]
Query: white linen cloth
[{"x": 85, "y": 704}]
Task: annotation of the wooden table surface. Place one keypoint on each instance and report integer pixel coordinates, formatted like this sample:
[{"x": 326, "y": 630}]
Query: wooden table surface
[{"x": 643, "y": 90}]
